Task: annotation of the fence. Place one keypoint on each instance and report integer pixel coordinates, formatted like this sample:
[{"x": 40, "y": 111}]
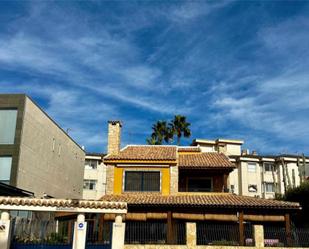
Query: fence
[
  {"x": 43, "y": 234},
  {"x": 223, "y": 234},
  {"x": 275, "y": 236},
  {"x": 96, "y": 236},
  {"x": 155, "y": 232}
]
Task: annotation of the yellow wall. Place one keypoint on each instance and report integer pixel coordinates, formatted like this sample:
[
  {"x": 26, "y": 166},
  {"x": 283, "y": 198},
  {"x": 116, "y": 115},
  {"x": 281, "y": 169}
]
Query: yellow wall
[{"x": 165, "y": 178}]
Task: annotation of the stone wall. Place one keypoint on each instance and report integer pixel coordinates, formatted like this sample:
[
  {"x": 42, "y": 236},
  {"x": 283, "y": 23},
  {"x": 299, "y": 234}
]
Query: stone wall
[
  {"x": 174, "y": 179},
  {"x": 109, "y": 179},
  {"x": 114, "y": 131}
]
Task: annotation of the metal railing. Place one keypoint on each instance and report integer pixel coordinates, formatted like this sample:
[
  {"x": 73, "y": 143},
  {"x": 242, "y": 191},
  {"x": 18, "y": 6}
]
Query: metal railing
[
  {"x": 155, "y": 232},
  {"x": 35, "y": 231},
  {"x": 223, "y": 234},
  {"x": 276, "y": 236},
  {"x": 96, "y": 235}
]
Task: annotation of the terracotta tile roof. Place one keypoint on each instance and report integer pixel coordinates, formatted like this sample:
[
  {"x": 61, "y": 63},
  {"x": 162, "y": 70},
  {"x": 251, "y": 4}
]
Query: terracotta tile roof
[
  {"x": 204, "y": 160},
  {"x": 145, "y": 152},
  {"x": 61, "y": 203},
  {"x": 215, "y": 200},
  {"x": 189, "y": 149}
]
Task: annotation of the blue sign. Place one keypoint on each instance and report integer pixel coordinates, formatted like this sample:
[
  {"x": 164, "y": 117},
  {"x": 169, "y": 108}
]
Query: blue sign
[{"x": 81, "y": 226}]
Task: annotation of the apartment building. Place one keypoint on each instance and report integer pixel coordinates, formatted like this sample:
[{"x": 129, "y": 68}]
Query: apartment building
[
  {"x": 256, "y": 175},
  {"x": 94, "y": 176},
  {"x": 35, "y": 153}
]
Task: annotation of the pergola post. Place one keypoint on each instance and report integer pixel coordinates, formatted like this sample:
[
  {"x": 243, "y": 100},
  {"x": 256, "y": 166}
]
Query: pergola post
[
  {"x": 80, "y": 232},
  {"x": 5, "y": 230},
  {"x": 241, "y": 228},
  {"x": 118, "y": 233}
]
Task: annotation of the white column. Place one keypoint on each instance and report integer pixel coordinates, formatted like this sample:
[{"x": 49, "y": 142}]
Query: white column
[
  {"x": 5, "y": 235},
  {"x": 118, "y": 233},
  {"x": 80, "y": 231}
]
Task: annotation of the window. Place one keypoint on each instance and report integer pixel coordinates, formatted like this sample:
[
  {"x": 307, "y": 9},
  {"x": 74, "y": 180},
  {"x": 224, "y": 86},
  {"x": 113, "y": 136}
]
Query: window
[
  {"x": 90, "y": 184},
  {"x": 252, "y": 167},
  {"x": 5, "y": 169},
  {"x": 268, "y": 167},
  {"x": 91, "y": 164},
  {"x": 199, "y": 184},
  {"x": 232, "y": 188},
  {"x": 269, "y": 187},
  {"x": 7, "y": 126},
  {"x": 142, "y": 181},
  {"x": 252, "y": 188}
]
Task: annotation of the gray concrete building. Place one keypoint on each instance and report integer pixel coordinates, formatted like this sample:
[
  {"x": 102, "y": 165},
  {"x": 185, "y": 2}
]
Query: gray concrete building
[{"x": 35, "y": 153}]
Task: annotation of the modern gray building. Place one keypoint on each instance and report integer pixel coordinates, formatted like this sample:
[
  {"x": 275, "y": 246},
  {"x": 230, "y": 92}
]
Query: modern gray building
[{"x": 35, "y": 153}]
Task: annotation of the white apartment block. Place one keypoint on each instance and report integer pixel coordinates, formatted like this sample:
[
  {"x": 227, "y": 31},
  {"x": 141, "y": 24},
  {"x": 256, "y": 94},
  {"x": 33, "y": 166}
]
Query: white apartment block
[
  {"x": 258, "y": 175},
  {"x": 94, "y": 177}
]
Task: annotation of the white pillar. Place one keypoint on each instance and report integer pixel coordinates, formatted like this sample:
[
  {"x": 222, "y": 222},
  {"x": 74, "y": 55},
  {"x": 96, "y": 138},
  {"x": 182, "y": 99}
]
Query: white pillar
[
  {"x": 80, "y": 232},
  {"x": 118, "y": 233},
  {"x": 5, "y": 236}
]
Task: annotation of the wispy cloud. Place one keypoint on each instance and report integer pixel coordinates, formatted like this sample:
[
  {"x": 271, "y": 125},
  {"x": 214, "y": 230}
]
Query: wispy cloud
[{"x": 236, "y": 69}]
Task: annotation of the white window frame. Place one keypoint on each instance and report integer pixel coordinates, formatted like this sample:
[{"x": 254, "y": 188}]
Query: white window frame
[
  {"x": 88, "y": 165},
  {"x": 269, "y": 165},
  {"x": 273, "y": 188},
  {"x": 90, "y": 180},
  {"x": 251, "y": 164}
]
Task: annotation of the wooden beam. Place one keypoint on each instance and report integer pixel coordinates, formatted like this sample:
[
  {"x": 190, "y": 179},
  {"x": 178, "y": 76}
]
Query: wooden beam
[
  {"x": 288, "y": 229},
  {"x": 70, "y": 230},
  {"x": 101, "y": 222},
  {"x": 170, "y": 235},
  {"x": 225, "y": 176},
  {"x": 241, "y": 228}
]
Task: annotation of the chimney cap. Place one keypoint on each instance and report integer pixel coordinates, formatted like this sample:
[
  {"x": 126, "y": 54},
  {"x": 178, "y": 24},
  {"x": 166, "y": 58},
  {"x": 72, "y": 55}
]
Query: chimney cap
[{"x": 114, "y": 122}]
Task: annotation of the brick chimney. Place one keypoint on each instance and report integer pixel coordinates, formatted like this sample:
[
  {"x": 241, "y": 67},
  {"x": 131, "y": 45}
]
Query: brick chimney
[{"x": 114, "y": 131}]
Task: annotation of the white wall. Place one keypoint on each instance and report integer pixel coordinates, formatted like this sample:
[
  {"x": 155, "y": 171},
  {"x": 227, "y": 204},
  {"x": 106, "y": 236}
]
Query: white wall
[{"x": 99, "y": 175}]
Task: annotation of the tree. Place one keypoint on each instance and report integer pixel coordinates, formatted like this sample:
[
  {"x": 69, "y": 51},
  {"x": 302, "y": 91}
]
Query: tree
[
  {"x": 300, "y": 194},
  {"x": 160, "y": 133},
  {"x": 180, "y": 127}
]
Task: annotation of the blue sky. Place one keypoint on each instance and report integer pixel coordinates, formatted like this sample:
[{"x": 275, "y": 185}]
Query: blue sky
[{"x": 236, "y": 69}]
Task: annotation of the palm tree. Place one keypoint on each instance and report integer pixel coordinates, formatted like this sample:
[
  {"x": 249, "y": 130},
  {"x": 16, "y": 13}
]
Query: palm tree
[
  {"x": 160, "y": 132},
  {"x": 152, "y": 140},
  {"x": 180, "y": 127}
]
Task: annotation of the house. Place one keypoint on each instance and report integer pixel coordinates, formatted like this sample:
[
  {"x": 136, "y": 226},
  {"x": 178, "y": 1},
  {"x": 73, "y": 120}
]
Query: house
[
  {"x": 167, "y": 186},
  {"x": 94, "y": 176},
  {"x": 256, "y": 175},
  {"x": 35, "y": 153}
]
